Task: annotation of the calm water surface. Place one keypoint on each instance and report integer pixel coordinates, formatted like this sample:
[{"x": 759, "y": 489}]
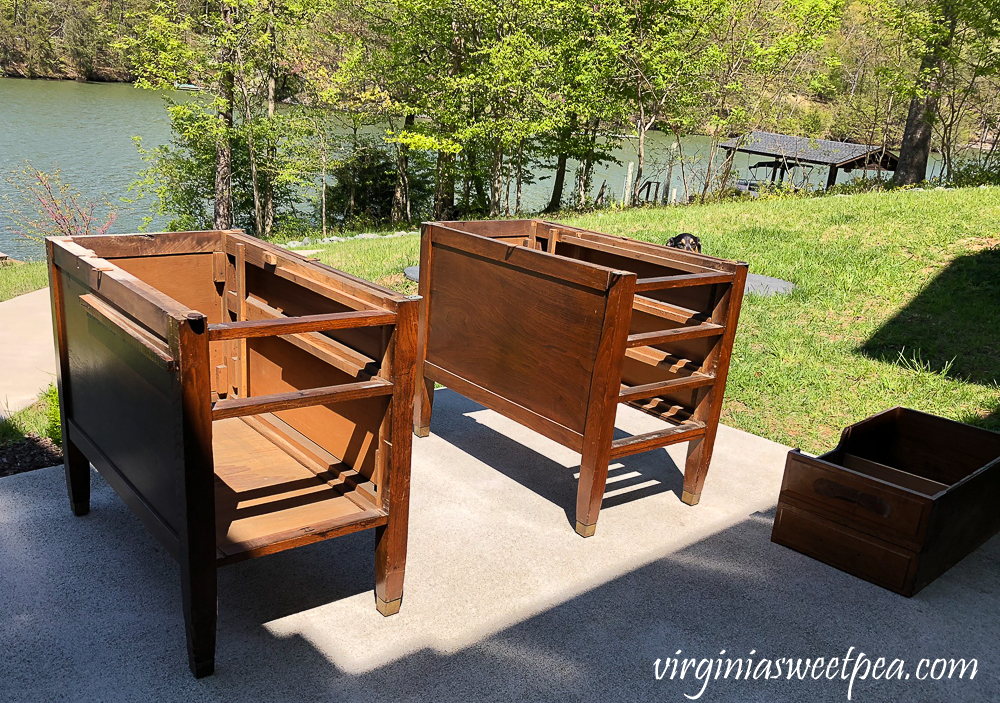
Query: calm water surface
[{"x": 84, "y": 130}]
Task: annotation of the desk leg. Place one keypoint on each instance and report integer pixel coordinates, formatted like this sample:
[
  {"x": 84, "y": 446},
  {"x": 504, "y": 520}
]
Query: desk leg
[{"x": 77, "y": 477}]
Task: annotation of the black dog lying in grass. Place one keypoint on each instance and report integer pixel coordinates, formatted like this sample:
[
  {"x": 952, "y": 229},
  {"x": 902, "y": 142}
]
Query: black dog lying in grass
[{"x": 685, "y": 241}]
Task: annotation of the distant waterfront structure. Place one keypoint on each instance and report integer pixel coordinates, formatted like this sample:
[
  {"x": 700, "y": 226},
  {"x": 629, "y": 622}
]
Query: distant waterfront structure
[{"x": 788, "y": 152}]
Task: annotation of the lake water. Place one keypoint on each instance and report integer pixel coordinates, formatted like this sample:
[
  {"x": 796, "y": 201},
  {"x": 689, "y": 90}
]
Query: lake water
[{"x": 86, "y": 130}]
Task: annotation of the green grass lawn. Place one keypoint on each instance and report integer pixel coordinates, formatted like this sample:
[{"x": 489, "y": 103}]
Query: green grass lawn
[
  {"x": 898, "y": 303},
  {"x": 19, "y": 278},
  {"x": 40, "y": 419},
  {"x": 379, "y": 260}
]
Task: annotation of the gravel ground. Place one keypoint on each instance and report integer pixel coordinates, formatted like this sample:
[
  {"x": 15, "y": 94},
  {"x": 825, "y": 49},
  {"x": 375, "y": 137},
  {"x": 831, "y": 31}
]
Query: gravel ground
[{"x": 32, "y": 452}]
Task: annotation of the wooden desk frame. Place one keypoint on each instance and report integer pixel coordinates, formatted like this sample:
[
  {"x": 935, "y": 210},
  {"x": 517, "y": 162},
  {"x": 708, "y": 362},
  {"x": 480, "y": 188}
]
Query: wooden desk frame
[
  {"x": 240, "y": 398},
  {"x": 554, "y": 326}
]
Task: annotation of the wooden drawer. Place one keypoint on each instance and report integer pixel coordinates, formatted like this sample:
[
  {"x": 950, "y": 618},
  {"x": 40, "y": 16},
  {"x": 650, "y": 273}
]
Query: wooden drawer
[
  {"x": 902, "y": 498},
  {"x": 853, "y": 499},
  {"x": 855, "y": 552}
]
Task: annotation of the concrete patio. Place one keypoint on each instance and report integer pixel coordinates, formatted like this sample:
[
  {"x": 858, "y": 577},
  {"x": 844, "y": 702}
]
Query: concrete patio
[
  {"x": 503, "y": 600},
  {"x": 27, "y": 350}
]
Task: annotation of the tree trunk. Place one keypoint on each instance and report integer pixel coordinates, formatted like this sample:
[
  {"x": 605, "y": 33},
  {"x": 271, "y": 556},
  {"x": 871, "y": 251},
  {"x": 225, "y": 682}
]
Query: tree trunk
[
  {"x": 666, "y": 183},
  {"x": 223, "y": 216},
  {"x": 555, "y": 201},
  {"x": 323, "y": 186},
  {"x": 401, "y": 193},
  {"x": 680, "y": 160},
  {"x": 727, "y": 169},
  {"x": 520, "y": 176},
  {"x": 496, "y": 180},
  {"x": 267, "y": 190},
  {"x": 915, "y": 150},
  {"x": 640, "y": 127},
  {"x": 587, "y": 167},
  {"x": 708, "y": 173},
  {"x": 353, "y": 171},
  {"x": 444, "y": 194},
  {"x": 482, "y": 204},
  {"x": 466, "y": 184},
  {"x": 258, "y": 210},
  {"x": 557, "y": 186}
]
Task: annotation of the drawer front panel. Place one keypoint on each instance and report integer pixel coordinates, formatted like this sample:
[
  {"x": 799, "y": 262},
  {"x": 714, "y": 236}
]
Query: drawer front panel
[
  {"x": 857, "y": 501},
  {"x": 848, "y": 550}
]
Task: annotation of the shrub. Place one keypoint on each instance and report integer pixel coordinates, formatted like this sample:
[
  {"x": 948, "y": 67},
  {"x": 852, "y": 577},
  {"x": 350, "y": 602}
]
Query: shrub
[{"x": 53, "y": 421}]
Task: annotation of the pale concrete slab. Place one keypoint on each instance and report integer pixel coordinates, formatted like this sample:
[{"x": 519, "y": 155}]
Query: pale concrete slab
[
  {"x": 503, "y": 602},
  {"x": 27, "y": 351},
  {"x": 758, "y": 284}
]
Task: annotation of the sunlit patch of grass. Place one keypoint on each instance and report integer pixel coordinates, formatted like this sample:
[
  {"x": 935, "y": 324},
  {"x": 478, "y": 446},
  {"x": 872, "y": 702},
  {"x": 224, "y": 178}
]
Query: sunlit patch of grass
[
  {"x": 20, "y": 278},
  {"x": 40, "y": 419},
  {"x": 798, "y": 375},
  {"x": 379, "y": 260}
]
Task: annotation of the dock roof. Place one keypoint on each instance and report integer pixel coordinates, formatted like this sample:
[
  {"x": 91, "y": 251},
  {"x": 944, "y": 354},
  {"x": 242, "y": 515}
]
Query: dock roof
[{"x": 805, "y": 150}]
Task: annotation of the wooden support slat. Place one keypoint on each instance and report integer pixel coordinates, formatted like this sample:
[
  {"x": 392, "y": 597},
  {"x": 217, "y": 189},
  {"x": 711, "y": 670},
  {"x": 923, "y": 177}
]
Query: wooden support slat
[
  {"x": 654, "y": 440},
  {"x": 667, "y": 311},
  {"x": 663, "y": 410},
  {"x": 149, "y": 344},
  {"x": 582, "y": 274},
  {"x": 326, "y": 466},
  {"x": 295, "y": 325},
  {"x": 705, "y": 329},
  {"x": 332, "y": 283},
  {"x": 679, "y": 259},
  {"x": 661, "y": 359},
  {"x": 333, "y": 352},
  {"x": 241, "y": 315},
  {"x": 118, "y": 246},
  {"x": 138, "y": 300},
  {"x": 543, "y": 425},
  {"x": 674, "y": 385},
  {"x": 256, "y": 405},
  {"x": 617, "y": 249},
  {"x": 326, "y": 291},
  {"x": 219, "y": 263},
  {"x": 684, "y": 281},
  {"x": 893, "y": 475}
]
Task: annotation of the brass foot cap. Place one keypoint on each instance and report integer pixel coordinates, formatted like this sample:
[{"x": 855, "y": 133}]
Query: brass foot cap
[
  {"x": 690, "y": 498},
  {"x": 388, "y": 608},
  {"x": 421, "y": 431},
  {"x": 585, "y": 530}
]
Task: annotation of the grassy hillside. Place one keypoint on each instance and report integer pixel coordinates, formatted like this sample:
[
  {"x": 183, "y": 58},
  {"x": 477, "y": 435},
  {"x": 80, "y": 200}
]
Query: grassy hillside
[{"x": 898, "y": 303}]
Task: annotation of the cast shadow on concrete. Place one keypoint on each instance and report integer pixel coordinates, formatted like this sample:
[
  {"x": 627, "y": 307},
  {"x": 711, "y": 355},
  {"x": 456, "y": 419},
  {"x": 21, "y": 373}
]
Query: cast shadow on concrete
[
  {"x": 953, "y": 324},
  {"x": 113, "y": 628},
  {"x": 732, "y": 592},
  {"x": 629, "y": 478}
]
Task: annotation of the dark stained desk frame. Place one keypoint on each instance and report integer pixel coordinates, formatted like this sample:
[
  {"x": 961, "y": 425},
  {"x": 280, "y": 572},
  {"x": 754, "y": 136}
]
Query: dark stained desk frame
[
  {"x": 554, "y": 326},
  {"x": 241, "y": 399}
]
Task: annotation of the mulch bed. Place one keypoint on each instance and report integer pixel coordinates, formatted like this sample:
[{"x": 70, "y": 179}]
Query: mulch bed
[{"x": 30, "y": 453}]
